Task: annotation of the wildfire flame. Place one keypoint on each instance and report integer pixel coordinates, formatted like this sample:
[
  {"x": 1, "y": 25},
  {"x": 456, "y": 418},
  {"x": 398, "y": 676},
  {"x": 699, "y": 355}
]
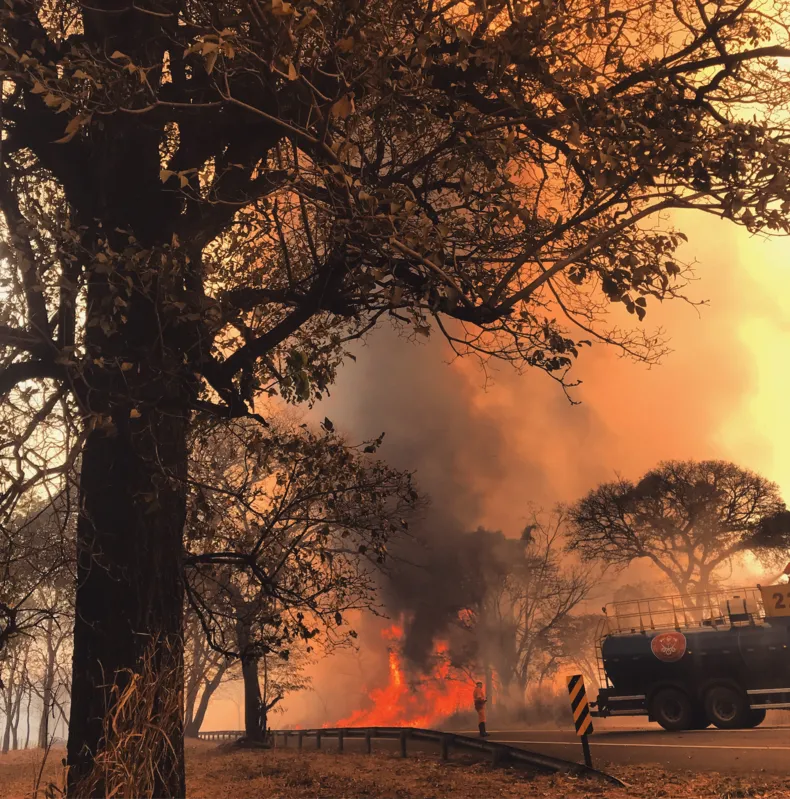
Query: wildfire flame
[{"x": 424, "y": 702}]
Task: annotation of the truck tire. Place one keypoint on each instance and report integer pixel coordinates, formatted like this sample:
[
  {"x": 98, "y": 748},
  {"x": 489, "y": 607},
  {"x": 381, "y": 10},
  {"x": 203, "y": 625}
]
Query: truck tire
[
  {"x": 672, "y": 709},
  {"x": 727, "y": 707},
  {"x": 756, "y": 717}
]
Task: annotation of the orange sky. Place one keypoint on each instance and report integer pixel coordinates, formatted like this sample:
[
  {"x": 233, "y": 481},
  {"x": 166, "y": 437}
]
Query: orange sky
[{"x": 491, "y": 453}]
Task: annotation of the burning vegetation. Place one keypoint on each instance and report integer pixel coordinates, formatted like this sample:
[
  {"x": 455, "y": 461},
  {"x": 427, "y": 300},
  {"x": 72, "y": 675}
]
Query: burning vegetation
[{"x": 413, "y": 701}]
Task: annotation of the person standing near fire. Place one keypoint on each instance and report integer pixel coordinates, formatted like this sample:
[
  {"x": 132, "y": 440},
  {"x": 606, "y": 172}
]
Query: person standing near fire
[{"x": 480, "y": 707}]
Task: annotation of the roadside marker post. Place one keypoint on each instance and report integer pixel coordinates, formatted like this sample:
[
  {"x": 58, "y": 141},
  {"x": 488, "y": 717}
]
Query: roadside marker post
[{"x": 580, "y": 708}]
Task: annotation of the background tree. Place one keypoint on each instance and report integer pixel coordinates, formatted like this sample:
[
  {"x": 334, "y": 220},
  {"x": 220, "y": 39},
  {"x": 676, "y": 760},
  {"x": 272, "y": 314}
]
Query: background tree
[
  {"x": 522, "y": 607},
  {"x": 204, "y": 670},
  {"x": 206, "y": 200},
  {"x": 287, "y": 531},
  {"x": 528, "y": 609},
  {"x": 577, "y": 637},
  {"x": 15, "y": 684},
  {"x": 36, "y": 559},
  {"x": 689, "y": 519},
  {"x": 36, "y": 611},
  {"x": 51, "y": 658},
  {"x": 280, "y": 677}
]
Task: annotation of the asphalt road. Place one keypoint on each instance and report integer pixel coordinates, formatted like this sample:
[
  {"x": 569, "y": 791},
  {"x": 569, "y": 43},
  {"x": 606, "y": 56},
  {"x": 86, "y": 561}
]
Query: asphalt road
[{"x": 766, "y": 748}]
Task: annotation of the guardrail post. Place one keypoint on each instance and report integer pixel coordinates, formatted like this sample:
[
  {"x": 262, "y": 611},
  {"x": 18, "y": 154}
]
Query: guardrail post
[
  {"x": 445, "y": 747},
  {"x": 299, "y": 740},
  {"x": 495, "y": 755},
  {"x": 318, "y": 740},
  {"x": 368, "y": 742},
  {"x": 340, "y": 741},
  {"x": 403, "y": 736}
]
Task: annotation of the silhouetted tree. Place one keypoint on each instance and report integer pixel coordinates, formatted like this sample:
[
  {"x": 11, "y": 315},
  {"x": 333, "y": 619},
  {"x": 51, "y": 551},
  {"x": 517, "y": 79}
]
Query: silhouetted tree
[
  {"x": 280, "y": 677},
  {"x": 523, "y": 603},
  {"x": 14, "y": 685},
  {"x": 204, "y": 201},
  {"x": 204, "y": 669},
  {"x": 688, "y": 518},
  {"x": 528, "y": 609},
  {"x": 287, "y": 530}
]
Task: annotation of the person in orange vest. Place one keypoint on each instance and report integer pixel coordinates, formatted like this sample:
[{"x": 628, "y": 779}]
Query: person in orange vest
[{"x": 480, "y": 707}]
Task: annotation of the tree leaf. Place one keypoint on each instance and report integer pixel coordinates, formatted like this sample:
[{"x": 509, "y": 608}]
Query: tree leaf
[
  {"x": 344, "y": 107},
  {"x": 73, "y": 128}
]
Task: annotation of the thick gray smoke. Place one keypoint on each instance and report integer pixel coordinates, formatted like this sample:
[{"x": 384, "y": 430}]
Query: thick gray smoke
[{"x": 457, "y": 453}]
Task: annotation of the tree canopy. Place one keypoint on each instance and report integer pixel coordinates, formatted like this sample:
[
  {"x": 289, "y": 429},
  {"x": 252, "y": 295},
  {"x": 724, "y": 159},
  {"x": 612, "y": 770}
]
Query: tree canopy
[
  {"x": 688, "y": 518},
  {"x": 286, "y": 531},
  {"x": 263, "y": 181}
]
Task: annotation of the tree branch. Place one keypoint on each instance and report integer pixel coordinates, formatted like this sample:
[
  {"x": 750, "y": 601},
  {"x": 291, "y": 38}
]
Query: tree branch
[{"x": 21, "y": 371}]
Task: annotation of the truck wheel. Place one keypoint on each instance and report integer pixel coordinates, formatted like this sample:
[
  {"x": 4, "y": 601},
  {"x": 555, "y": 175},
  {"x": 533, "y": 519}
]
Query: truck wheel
[
  {"x": 672, "y": 709},
  {"x": 727, "y": 707},
  {"x": 756, "y": 717}
]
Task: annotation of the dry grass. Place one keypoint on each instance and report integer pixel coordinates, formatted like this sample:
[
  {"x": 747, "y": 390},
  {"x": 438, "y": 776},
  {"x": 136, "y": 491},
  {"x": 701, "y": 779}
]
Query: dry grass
[
  {"x": 287, "y": 774},
  {"x": 136, "y": 746}
]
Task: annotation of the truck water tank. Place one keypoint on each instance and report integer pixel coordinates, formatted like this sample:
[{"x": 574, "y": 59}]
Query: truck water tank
[{"x": 756, "y": 656}]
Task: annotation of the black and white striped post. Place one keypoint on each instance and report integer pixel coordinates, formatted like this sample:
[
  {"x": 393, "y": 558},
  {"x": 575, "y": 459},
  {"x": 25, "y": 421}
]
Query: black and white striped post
[{"x": 581, "y": 714}]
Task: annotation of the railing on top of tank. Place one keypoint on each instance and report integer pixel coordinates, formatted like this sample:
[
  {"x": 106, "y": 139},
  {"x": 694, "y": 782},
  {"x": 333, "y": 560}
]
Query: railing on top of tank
[{"x": 722, "y": 607}]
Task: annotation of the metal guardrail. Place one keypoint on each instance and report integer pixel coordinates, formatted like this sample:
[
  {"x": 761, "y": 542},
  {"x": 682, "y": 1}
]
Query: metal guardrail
[
  {"x": 499, "y": 753},
  {"x": 221, "y": 735}
]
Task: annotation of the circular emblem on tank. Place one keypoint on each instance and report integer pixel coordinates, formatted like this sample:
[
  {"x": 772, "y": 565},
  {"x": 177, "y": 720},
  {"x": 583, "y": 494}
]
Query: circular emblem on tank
[{"x": 669, "y": 647}]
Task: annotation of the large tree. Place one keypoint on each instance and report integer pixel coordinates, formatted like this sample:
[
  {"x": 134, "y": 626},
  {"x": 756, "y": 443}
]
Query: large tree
[
  {"x": 690, "y": 519},
  {"x": 207, "y": 200}
]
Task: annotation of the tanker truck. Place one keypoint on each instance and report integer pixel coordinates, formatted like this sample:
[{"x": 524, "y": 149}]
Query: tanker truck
[{"x": 719, "y": 657}]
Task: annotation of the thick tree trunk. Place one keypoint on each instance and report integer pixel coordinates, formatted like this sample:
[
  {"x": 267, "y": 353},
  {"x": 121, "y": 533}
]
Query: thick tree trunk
[
  {"x": 130, "y": 593},
  {"x": 253, "y": 729},
  {"x": 195, "y": 720}
]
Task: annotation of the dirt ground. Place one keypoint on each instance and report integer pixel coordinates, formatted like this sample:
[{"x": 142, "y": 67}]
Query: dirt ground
[{"x": 287, "y": 774}]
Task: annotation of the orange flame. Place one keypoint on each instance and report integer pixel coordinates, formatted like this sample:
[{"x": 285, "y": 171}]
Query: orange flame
[{"x": 424, "y": 702}]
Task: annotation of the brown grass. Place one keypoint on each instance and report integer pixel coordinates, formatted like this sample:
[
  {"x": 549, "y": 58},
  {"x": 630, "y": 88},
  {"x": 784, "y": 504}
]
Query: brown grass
[
  {"x": 287, "y": 774},
  {"x": 135, "y": 747}
]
